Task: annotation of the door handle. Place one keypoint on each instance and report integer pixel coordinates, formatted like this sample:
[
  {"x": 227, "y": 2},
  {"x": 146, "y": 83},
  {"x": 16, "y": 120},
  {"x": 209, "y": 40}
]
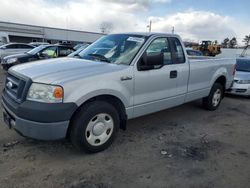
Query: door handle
[
  {"x": 173, "y": 74},
  {"x": 123, "y": 78}
]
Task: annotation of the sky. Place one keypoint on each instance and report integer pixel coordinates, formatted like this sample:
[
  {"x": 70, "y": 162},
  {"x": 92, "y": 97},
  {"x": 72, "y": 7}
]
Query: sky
[{"x": 193, "y": 20}]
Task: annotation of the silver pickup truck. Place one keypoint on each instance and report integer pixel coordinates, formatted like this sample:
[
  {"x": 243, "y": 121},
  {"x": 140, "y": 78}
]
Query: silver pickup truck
[{"x": 119, "y": 77}]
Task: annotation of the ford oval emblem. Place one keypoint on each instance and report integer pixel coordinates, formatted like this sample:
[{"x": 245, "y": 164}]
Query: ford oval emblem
[{"x": 9, "y": 85}]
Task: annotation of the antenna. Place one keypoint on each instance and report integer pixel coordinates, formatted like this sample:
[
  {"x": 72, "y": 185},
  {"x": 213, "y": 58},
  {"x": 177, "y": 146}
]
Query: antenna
[
  {"x": 149, "y": 26},
  {"x": 173, "y": 30}
]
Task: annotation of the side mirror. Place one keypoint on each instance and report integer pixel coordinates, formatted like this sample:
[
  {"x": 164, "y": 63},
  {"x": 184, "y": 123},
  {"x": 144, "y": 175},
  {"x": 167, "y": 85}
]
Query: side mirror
[
  {"x": 42, "y": 55},
  {"x": 151, "y": 61}
]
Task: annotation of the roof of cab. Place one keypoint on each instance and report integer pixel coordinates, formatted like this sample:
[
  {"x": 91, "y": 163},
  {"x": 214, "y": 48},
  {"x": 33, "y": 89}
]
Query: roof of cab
[{"x": 148, "y": 34}]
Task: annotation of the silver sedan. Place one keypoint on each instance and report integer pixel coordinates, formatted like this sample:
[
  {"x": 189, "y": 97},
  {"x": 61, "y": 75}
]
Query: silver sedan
[{"x": 241, "y": 84}]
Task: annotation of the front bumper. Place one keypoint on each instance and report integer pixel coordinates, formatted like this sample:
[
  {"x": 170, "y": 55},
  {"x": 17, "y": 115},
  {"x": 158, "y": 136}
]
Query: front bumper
[
  {"x": 239, "y": 89},
  {"x": 35, "y": 120}
]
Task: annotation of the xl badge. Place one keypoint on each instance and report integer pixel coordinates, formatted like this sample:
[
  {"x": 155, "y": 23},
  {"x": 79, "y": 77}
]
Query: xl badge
[{"x": 9, "y": 85}]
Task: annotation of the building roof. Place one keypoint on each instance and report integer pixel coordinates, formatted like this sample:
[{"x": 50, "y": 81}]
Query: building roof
[
  {"x": 21, "y": 24},
  {"x": 48, "y": 33}
]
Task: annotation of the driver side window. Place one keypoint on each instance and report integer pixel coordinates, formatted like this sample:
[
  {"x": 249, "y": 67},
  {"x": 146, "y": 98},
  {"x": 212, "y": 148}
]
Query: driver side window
[
  {"x": 160, "y": 45},
  {"x": 50, "y": 52}
]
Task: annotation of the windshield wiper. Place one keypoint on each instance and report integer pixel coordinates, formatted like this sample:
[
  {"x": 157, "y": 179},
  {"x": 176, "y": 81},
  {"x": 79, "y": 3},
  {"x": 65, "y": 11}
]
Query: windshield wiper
[{"x": 100, "y": 57}]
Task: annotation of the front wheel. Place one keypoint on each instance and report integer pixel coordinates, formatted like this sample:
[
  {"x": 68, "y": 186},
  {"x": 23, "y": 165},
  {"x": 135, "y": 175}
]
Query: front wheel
[
  {"x": 214, "y": 98},
  {"x": 94, "y": 126}
]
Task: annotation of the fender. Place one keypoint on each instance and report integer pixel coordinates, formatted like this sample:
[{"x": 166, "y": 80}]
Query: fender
[
  {"x": 222, "y": 71},
  {"x": 100, "y": 92},
  {"x": 87, "y": 90}
]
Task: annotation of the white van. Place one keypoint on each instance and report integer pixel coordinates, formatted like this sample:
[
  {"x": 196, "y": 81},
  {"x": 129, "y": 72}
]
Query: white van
[{"x": 4, "y": 38}]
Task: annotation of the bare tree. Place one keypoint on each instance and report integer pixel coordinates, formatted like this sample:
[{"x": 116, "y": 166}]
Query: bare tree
[
  {"x": 106, "y": 27},
  {"x": 225, "y": 43},
  {"x": 246, "y": 40},
  {"x": 233, "y": 42}
]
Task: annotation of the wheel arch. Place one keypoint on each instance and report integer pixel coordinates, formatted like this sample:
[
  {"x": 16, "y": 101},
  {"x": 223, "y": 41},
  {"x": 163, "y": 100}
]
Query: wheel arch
[
  {"x": 221, "y": 80},
  {"x": 113, "y": 100},
  {"x": 220, "y": 76}
]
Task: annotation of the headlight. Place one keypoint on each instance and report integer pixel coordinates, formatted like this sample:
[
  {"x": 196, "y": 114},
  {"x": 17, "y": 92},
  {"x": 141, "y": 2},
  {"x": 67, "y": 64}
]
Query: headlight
[
  {"x": 45, "y": 93},
  {"x": 11, "y": 60},
  {"x": 243, "y": 82}
]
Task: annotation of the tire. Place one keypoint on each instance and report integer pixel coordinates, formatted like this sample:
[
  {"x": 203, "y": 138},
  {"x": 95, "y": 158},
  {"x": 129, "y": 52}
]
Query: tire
[
  {"x": 94, "y": 126},
  {"x": 214, "y": 98}
]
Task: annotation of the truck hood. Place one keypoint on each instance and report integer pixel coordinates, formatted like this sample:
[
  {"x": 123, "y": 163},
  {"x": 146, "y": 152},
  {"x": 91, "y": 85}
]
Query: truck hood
[{"x": 61, "y": 70}]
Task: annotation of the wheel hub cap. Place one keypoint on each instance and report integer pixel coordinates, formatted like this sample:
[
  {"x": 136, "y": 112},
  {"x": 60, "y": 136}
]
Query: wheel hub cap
[
  {"x": 98, "y": 128},
  {"x": 216, "y": 97}
]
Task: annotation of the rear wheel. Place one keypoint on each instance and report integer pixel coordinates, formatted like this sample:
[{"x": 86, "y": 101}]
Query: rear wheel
[
  {"x": 213, "y": 101},
  {"x": 94, "y": 126}
]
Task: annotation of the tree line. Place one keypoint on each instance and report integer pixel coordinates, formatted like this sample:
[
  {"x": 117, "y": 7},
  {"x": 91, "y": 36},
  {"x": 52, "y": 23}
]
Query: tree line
[{"x": 232, "y": 43}]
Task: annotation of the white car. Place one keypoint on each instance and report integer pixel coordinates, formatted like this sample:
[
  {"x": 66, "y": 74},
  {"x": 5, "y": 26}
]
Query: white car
[
  {"x": 241, "y": 84},
  {"x": 14, "y": 48},
  {"x": 36, "y": 44},
  {"x": 4, "y": 38}
]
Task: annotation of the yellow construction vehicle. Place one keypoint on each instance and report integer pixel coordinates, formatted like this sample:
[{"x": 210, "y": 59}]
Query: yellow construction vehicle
[{"x": 208, "y": 48}]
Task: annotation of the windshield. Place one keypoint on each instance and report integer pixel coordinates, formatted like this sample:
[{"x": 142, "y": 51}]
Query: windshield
[
  {"x": 37, "y": 49},
  {"x": 246, "y": 52},
  {"x": 243, "y": 65},
  {"x": 116, "y": 48},
  {"x": 75, "y": 53},
  {"x": 3, "y": 46},
  {"x": 194, "y": 53}
]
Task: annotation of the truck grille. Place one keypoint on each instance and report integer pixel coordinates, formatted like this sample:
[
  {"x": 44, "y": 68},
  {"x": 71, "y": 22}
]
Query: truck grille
[{"x": 15, "y": 87}]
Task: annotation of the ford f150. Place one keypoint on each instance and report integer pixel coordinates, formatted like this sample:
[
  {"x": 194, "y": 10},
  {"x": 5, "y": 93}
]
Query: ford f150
[{"x": 119, "y": 77}]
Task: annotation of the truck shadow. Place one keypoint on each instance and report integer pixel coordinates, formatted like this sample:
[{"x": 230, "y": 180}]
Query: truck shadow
[
  {"x": 138, "y": 130},
  {"x": 237, "y": 96}
]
